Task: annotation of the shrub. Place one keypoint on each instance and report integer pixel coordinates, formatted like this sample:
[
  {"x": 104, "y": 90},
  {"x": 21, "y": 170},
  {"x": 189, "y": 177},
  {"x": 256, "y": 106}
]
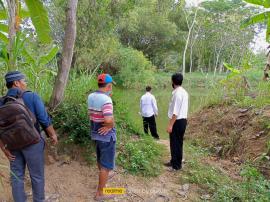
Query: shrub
[{"x": 141, "y": 157}]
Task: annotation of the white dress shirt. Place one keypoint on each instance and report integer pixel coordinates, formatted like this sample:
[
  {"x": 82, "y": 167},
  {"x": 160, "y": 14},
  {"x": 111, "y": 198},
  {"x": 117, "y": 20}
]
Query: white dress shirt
[
  {"x": 179, "y": 103},
  {"x": 148, "y": 105}
]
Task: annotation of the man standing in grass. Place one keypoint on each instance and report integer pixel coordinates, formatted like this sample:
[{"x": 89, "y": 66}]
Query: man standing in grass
[
  {"x": 100, "y": 109},
  {"x": 149, "y": 110},
  {"x": 177, "y": 114}
]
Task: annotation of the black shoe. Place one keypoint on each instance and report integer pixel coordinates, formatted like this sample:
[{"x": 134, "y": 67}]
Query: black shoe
[
  {"x": 156, "y": 138},
  {"x": 168, "y": 164}
]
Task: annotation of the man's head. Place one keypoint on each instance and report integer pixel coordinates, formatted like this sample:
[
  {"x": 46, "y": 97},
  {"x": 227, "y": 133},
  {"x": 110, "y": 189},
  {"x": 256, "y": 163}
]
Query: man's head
[
  {"x": 15, "y": 79},
  {"x": 105, "y": 82},
  {"x": 148, "y": 88},
  {"x": 177, "y": 79}
]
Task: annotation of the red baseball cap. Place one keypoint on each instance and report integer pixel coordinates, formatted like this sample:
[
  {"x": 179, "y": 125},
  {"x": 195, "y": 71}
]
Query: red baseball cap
[{"x": 105, "y": 78}]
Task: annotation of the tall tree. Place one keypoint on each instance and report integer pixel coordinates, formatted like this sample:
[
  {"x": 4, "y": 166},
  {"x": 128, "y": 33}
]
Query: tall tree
[
  {"x": 69, "y": 41},
  {"x": 190, "y": 28},
  {"x": 12, "y": 9}
]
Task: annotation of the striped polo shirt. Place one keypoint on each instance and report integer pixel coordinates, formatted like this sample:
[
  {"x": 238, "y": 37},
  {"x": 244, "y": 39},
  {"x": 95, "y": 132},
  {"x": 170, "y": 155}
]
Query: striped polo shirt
[{"x": 100, "y": 106}]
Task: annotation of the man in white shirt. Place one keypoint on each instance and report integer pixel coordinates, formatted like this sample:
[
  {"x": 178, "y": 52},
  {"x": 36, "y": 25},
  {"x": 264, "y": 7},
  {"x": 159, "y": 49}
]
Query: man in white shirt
[
  {"x": 177, "y": 114},
  {"x": 149, "y": 110}
]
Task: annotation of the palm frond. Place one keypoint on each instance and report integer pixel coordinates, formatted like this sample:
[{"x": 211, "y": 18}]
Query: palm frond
[
  {"x": 40, "y": 20},
  {"x": 261, "y": 17}
]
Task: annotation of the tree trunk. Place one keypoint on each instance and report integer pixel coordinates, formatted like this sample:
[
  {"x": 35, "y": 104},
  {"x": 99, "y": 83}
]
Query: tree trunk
[
  {"x": 69, "y": 41},
  {"x": 217, "y": 57},
  {"x": 12, "y": 7},
  {"x": 190, "y": 64},
  {"x": 187, "y": 40}
]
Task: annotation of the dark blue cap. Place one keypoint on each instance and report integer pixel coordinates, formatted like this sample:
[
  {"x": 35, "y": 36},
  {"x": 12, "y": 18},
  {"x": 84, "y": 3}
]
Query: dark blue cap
[{"x": 14, "y": 76}]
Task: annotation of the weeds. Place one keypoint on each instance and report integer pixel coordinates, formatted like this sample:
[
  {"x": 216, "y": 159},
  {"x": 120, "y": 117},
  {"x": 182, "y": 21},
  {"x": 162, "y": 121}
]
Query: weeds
[
  {"x": 252, "y": 187},
  {"x": 140, "y": 157}
]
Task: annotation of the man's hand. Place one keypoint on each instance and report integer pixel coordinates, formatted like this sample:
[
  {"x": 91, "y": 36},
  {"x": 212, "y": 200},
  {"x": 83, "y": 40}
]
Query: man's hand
[
  {"x": 8, "y": 154},
  {"x": 169, "y": 129},
  {"x": 171, "y": 123},
  {"x": 107, "y": 125},
  {"x": 104, "y": 130},
  {"x": 52, "y": 134},
  {"x": 54, "y": 139},
  {"x": 6, "y": 151}
]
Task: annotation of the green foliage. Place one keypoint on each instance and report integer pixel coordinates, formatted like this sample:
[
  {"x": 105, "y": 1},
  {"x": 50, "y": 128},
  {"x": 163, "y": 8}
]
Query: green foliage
[
  {"x": 252, "y": 187},
  {"x": 128, "y": 66},
  {"x": 140, "y": 157},
  {"x": 255, "y": 185},
  {"x": 135, "y": 70},
  {"x": 258, "y": 18},
  {"x": 264, "y": 3},
  {"x": 37, "y": 62},
  {"x": 147, "y": 30},
  {"x": 236, "y": 84},
  {"x": 71, "y": 116},
  {"x": 39, "y": 17}
]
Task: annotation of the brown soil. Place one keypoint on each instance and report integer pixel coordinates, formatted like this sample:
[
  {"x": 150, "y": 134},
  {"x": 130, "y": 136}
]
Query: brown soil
[
  {"x": 232, "y": 133},
  {"x": 69, "y": 180}
]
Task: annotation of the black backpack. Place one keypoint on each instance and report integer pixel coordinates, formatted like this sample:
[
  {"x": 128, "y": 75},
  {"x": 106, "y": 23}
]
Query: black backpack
[{"x": 17, "y": 123}]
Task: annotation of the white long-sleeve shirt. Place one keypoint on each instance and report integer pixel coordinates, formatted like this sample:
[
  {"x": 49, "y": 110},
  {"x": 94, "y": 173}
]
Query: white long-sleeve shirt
[{"x": 148, "y": 105}]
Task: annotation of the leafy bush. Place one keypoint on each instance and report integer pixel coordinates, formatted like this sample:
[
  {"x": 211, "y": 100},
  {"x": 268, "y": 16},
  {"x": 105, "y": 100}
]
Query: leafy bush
[
  {"x": 141, "y": 157},
  {"x": 135, "y": 70},
  {"x": 129, "y": 67},
  {"x": 71, "y": 116}
]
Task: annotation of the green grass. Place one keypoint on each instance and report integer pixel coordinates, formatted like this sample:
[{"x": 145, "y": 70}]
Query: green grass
[{"x": 252, "y": 187}]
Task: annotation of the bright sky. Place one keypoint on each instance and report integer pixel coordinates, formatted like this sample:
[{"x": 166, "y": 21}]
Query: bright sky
[{"x": 193, "y": 2}]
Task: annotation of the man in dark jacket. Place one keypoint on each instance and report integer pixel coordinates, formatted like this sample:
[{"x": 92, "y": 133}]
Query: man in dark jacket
[{"x": 33, "y": 155}]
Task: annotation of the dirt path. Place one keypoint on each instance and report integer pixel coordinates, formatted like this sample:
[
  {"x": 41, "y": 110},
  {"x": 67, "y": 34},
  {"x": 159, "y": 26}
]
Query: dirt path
[{"x": 74, "y": 181}]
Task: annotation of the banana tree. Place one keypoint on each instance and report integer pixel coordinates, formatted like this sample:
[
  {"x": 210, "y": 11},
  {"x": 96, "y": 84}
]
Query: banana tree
[
  {"x": 14, "y": 13},
  {"x": 263, "y": 17}
]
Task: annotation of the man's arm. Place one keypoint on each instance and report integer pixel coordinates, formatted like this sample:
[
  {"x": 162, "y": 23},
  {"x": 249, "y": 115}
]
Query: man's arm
[
  {"x": 52, "y": 134},
  {"x": 6, "y": 151},
  {"x": 170, "y": 124},
  {"x": 108, "y": 124},
  {"x": 177, "y": 102},
  {"x": 44, "y": 119},
  {"x": 154, "y": 104}
]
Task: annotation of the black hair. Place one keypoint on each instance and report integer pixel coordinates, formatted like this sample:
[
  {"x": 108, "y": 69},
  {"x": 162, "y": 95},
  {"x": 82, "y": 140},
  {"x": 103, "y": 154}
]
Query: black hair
[
  {"x": 102, "y": 85},
  {"x": 177, "y": 79},
  {"x": 148, "y": 88},
  {"x": 9, "y": 84}
]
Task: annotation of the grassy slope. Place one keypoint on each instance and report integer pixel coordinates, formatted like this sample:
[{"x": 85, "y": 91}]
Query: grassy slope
[{"x": 210, "y": 178}]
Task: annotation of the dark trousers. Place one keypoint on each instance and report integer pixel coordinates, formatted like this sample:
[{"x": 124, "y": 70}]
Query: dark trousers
[
  {"x": 176, "y": 143},
  {"x": 151, "y": 123},
  {"x": 32, "y": 157}
]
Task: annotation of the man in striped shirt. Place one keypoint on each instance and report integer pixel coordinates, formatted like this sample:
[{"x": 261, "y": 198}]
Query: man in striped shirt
[{"x": 100, "y": 108}]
